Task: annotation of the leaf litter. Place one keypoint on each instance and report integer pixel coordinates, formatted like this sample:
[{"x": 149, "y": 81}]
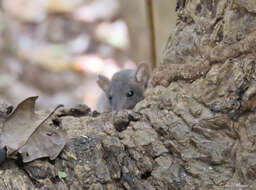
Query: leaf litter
[{"x": 27, "y": 133}]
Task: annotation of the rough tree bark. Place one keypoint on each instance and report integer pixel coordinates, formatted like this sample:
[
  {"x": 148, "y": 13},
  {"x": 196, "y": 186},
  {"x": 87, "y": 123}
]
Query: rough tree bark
[{"x": 195, "y": 129}]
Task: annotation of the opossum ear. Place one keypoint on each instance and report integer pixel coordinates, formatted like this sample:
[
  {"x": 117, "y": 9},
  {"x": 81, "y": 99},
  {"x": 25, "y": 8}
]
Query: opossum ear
[
  {"x": 143, "y": 73},
  {"x": 103, "y": 83}
]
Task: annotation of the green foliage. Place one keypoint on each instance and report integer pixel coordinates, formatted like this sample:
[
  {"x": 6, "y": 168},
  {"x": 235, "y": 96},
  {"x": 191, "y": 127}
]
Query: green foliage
[{"x": 62, "y": 174}]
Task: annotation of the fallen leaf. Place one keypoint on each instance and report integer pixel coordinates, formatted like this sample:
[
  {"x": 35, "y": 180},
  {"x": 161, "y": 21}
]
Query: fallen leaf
[
  {"x": 26, "y": 10},
  {"x": 46, "y": 141},
  {"x": 71, "y": 156},
  {"x": 20, "y": 125},
  {"x": 63, "y": 6},
  {"x": 97, "y": 10},
  {"x": 62, "y": 174},
  {"x": 29, "y": 134},
  {"x": 114, "y": 34}
]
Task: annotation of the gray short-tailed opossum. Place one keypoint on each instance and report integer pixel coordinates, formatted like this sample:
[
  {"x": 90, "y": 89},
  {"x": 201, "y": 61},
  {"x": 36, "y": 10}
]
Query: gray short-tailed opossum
[{"x": 124, "y": 90}]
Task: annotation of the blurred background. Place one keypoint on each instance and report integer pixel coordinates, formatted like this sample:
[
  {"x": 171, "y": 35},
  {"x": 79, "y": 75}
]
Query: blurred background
[{"x": 56, "y": 48}]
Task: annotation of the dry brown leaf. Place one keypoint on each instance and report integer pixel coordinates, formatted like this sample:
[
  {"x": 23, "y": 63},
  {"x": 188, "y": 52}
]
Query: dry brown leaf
[
  {"x": 27, "y": 133},
  {"x": 44, "y": 142},
  {"x": 20, "y": 125}
]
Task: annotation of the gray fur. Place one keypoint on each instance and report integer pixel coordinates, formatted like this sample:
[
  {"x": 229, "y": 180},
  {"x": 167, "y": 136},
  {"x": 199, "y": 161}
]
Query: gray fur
[{"x": 122, "y": 84}]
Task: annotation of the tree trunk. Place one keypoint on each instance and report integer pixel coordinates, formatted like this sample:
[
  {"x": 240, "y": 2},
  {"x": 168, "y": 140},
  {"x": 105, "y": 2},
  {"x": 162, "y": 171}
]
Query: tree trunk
[{"x": 195, "y": 129}]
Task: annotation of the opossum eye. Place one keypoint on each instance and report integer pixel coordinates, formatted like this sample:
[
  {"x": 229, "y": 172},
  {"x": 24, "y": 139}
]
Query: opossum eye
[
  {"x": 130, "y": 93},
  {"x": 110, "y": 98}
]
